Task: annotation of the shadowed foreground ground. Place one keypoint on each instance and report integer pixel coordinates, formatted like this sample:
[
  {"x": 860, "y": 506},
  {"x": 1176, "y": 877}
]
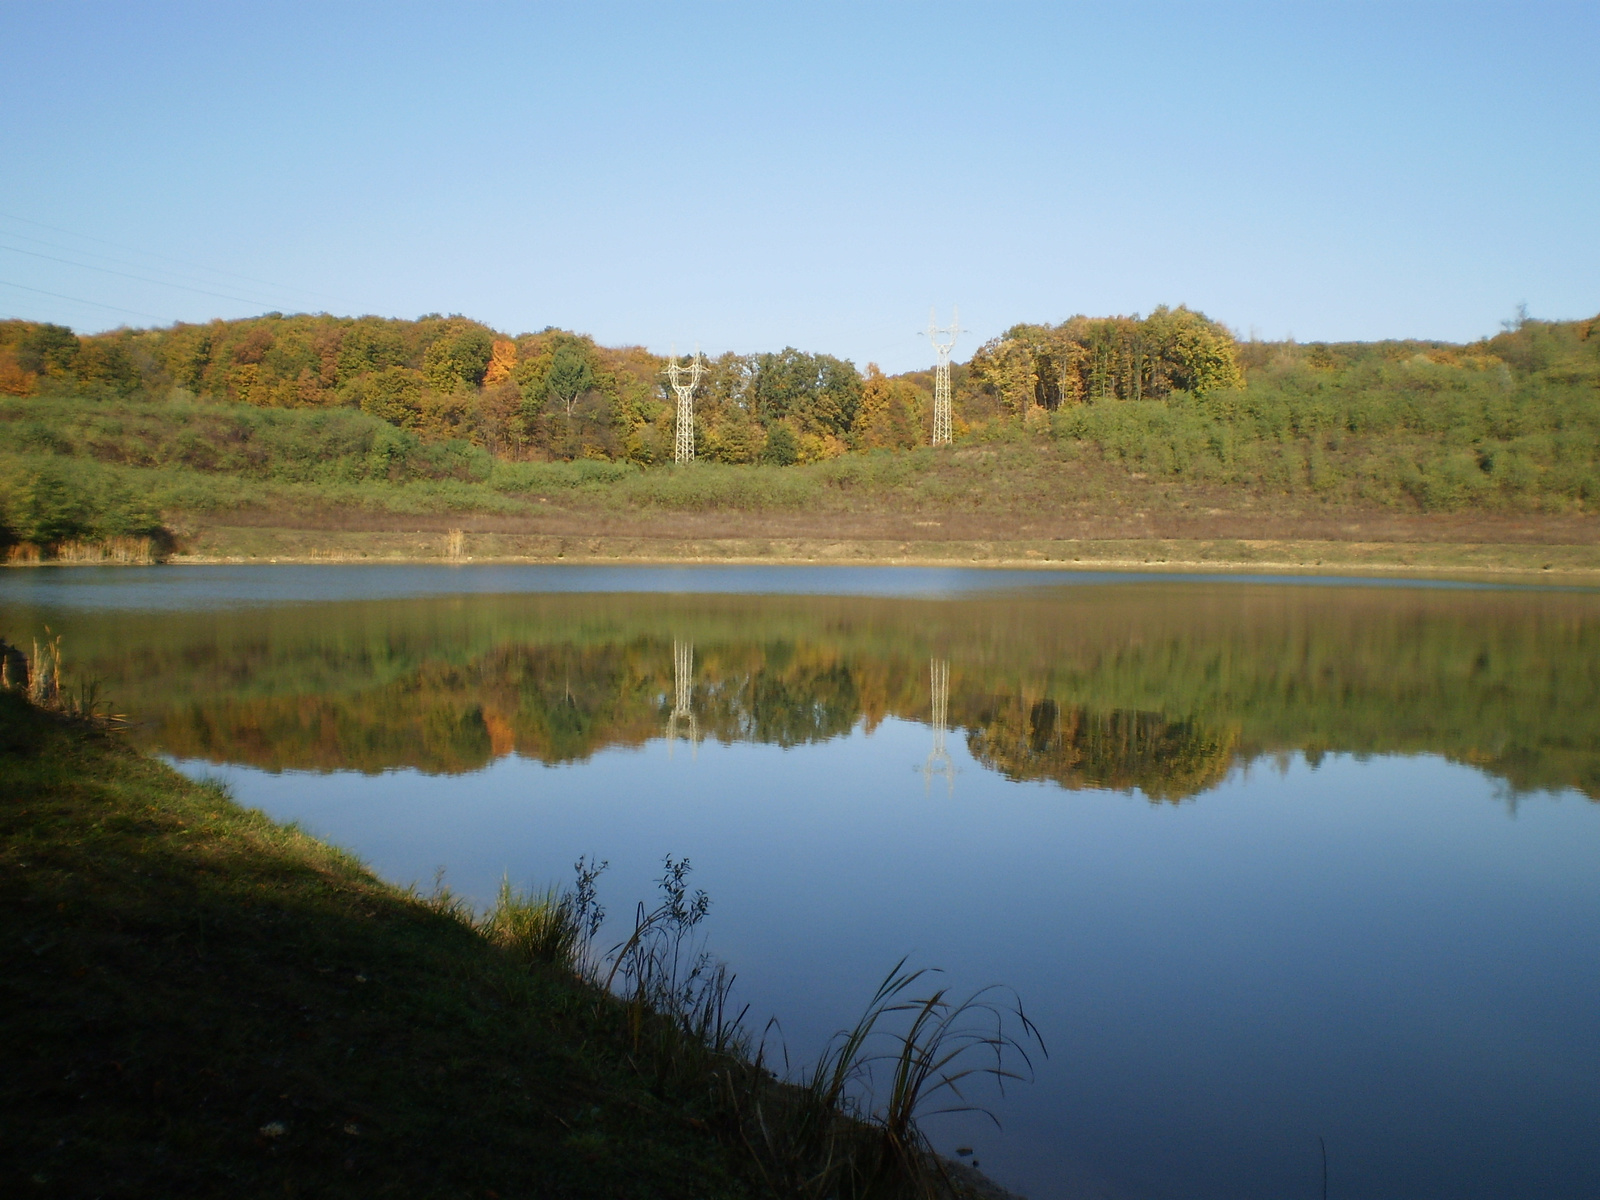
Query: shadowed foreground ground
[{"x": 199, "y": 1002}]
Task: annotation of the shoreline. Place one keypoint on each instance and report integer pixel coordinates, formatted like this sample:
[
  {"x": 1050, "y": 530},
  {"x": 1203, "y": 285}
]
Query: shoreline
[
  {"x": 1127, "y": 566},
  {"x": 1507, "y": 562}
]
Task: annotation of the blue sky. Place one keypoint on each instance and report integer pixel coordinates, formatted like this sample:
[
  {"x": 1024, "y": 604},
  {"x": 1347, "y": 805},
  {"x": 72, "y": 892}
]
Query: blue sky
[{"x": 750, "y": 176}]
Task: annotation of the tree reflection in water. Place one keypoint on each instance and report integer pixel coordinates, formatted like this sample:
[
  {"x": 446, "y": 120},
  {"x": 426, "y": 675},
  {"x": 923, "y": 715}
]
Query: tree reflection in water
[{"x": 1162, "y": 688}]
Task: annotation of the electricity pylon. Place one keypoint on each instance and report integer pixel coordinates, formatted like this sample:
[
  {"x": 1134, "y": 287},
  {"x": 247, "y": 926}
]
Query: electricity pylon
[
  {"x": 684, "y": 380},
  {"x": 942, "y": 340},
  {"x": 938, "y": 762},
  {"x": 682, "y": 690}
]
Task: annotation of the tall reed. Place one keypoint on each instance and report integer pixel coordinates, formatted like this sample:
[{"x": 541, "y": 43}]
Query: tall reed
[
  {"x": 832, "y": 1134},
  {"x": 44, "y": 672},
  {"x": 122, "y": 550},
  {"x": 125, "y": 551},
  {"x": 849, "y": 1127},
  {"x": 554, "y": 925},
  {"x": 534, "y": 926},
  {"x": 39, "y": 680}
]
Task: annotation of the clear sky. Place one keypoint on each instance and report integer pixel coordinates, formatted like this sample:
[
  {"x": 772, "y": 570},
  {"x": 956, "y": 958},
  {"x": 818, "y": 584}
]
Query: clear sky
[{"x": 749, "y": 176}]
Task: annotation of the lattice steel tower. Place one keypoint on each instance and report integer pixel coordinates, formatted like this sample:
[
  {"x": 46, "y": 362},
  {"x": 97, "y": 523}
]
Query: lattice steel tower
[
  {"x": 938, "y": 762},
  {"x": 684, "y": 380},
  {"x": 942, "y": 340}
]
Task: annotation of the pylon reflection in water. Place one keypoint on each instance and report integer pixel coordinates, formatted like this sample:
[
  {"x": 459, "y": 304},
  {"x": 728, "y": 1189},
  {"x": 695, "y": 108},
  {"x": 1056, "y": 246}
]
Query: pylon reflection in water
[
  {"x": 938, "y": 761},
  {"x": 682, "y": 717}
]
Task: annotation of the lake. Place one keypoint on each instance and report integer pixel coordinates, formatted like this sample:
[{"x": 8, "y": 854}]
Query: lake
[{"x": 1268, "y": 861}]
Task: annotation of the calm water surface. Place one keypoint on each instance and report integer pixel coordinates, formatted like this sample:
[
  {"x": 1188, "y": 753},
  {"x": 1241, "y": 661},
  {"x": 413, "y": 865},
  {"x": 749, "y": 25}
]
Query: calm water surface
[{"x": 1267, "y": 861}]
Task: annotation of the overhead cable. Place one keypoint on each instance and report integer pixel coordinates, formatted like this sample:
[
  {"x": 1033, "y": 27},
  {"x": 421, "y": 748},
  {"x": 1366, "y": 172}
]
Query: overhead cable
[
  {"x": 170, "y": 258},
  {"x": 80, "y": 300},
  {"x": 125, "y": 275}
]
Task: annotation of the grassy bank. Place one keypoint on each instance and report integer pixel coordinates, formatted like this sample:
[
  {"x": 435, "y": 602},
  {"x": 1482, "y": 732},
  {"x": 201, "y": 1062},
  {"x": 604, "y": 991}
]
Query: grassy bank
[
  {"x": 120, "y": 457},
  {"x": 199, "y": 1001},
  {"x": 133, "y": 481}
]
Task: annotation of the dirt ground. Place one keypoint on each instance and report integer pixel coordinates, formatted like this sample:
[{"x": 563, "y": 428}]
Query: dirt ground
[
  {"x": 1508, "y": 552},
  {"x": 1240, "y": 524}
]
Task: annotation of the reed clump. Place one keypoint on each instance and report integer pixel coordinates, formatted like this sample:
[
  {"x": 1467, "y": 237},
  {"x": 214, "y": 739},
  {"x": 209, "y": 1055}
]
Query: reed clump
[
  {"x": 536, "y": 927},
  {"x": 38, "y": 679},
  {"x": 128, "y": 551},
  {"x": 849, "y": 1126},
  {"x": 123, "y": 551}
]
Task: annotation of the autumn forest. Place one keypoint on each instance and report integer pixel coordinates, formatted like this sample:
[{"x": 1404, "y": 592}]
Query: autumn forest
[{"x": 108, "y": 435}]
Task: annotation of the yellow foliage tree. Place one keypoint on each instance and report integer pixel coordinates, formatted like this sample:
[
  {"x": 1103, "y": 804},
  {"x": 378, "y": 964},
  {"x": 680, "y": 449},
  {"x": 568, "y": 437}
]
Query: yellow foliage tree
[
  {"x": 502, "y": 361},
  {"x": 888, "y": 418},
  {"x": 14, "y": 381},
  {"x": 1008, "y": 366}
]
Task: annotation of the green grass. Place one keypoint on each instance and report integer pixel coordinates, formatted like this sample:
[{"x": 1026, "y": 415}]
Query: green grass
[
  {"x": 535, "y": 926},
  {"x": 199, "y": 1001},
  {"x": 1479, "y": 446}
]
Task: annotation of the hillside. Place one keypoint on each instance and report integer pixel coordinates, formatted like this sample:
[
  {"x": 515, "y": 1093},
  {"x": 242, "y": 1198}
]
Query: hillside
[{"x": 1094, "y": 430}]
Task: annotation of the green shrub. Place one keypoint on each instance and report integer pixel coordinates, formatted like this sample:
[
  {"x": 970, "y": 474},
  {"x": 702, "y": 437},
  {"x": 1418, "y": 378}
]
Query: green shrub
[
  {"x": 782, "y": 449},
  {"x": 52, "y": 504}
]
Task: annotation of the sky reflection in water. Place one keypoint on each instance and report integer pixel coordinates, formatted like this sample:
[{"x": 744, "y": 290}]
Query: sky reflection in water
[{"x": 1265, "y": 863}]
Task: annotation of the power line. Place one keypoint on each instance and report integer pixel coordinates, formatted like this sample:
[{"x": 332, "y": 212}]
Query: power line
[
  {"x": 938, "y": 761},
  {"x": 682, "y": 695},
  {"x": 79, "y": 300},
  {"x": 182, "y": 287},
  {"x": 169, "y": 258},
  {"x": 104, "y": 258}
]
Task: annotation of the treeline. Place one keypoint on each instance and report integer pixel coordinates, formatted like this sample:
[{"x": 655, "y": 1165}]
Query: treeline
[
  {"x": 541, "y": 396},
  {"x": 1093, "y": 361},
  {"x": 557, "y": 704},
  {"x": 1512, "y": 421},
  {"x": 558, "y": 395}
]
